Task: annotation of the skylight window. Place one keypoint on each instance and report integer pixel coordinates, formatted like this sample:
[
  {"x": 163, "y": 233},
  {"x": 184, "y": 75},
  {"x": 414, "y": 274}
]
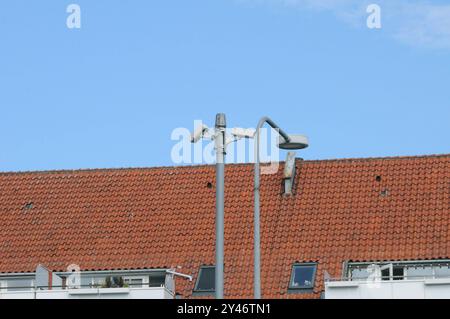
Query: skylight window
[
  {"x": 206, "y": 279},
  {"x": 303, "y": 276}
]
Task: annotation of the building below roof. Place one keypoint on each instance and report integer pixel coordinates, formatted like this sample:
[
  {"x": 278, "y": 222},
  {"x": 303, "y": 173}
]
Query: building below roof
[{"x": 378, "y": 211}]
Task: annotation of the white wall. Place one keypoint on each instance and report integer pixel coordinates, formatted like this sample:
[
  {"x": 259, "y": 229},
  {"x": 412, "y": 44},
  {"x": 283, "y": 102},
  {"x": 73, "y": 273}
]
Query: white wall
[
  {"x": 95, "y": 293},
  {"x": 396, "y": 289}
]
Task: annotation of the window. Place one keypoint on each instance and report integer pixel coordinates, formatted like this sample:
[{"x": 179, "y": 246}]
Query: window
[
  {"x": 359, "y": 274},
  {"x": 406, "y": 270},
  {"x": 376, "y": 271},
  {"x": 442, "y": 271},
  {"x": 206, "y": 279},
  {"x": 157, "y": 280},
  {"x": 18, "y": 284},
  {"x": 391, "y": 272},
  {"x": 303, "y": 276},
  {"x": 398, "y": 273},
  {"x": 153, "y": 280},
  {"x": 386, "y": 272},
  {"x": 133, "y": 282},
  {"x": 97, "y": 282},
  {"x": 419, "y": 272},
  {"x": 116, "y": 279},
  {"x": 85, "y": 282}
]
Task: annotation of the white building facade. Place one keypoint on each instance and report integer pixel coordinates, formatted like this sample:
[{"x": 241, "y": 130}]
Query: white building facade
[{"x": 392, "y": 280}]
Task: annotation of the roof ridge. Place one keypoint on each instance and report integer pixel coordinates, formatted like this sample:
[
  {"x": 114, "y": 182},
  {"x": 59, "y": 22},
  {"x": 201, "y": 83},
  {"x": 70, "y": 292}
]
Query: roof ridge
[
  {"x": 362, "y": 159},
  {"x": 156, "y": 168},
  {"x": 116, "y": 169}
]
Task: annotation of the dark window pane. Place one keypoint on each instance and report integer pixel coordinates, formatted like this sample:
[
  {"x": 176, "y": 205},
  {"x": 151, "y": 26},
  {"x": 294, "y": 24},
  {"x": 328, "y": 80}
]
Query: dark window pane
[
  {"x": 386, "y": 274},
  {"x": 303, "y": 276},
  {"x": 206, "y": 280},
  {"x": 398, "y": 273},
  {"x": 157, "y": 281}
]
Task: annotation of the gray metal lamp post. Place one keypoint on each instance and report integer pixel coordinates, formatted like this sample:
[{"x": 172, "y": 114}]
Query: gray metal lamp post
[
  {"x": 221, "y": 140},
  {"x": 289, "y": 142}
]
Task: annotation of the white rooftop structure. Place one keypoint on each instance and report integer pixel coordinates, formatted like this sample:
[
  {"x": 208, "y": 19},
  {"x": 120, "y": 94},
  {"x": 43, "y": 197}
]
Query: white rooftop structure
[
  {"x": 92, "y": 293},
  {"x": 391, "y": 289},
  {"x": 120, "y": 284},
  {"x": 396, "y": 280}
]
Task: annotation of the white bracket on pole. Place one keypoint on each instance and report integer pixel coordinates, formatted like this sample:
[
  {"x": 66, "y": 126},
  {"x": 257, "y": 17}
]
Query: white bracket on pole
[{"x": 172, "y": 272}]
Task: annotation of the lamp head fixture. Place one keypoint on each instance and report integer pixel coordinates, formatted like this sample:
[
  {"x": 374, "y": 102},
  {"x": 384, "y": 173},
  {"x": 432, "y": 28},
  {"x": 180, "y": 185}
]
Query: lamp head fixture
[{"x": 296, "y": 142}]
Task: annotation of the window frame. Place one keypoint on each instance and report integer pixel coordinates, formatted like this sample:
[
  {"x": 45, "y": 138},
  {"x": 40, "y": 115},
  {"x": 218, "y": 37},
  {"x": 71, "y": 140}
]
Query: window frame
[
  {"x": 6, "y": 288},
  {"x": 408, "y": 276},
  {"x": 150, "y": 279},
  {"x": 207, "y": 291},
  {"x": 349, "y": 266},
  {"x": 390, "y": 269},
  {"x": 313, "y": 278},
  {"x": 144, "y": 279}
]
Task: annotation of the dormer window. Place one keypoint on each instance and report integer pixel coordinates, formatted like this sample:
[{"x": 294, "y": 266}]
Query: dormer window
[
  {"x": 206, "y": 279},
  {"x": 303, "y": 276}
]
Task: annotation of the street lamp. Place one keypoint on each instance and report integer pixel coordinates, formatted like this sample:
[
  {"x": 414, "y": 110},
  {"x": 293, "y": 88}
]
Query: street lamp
[
  {"x": 287, "y": 142},
  {"x": 221, "y": 139}
]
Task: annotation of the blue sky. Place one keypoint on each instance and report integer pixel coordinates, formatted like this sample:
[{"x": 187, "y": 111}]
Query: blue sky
[{"x": 110, "y": 93}]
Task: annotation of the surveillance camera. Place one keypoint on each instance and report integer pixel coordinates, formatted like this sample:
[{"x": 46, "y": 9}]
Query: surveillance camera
[
  {"x": 243, "y": 133},
  {"x": 198, "y": 133}
]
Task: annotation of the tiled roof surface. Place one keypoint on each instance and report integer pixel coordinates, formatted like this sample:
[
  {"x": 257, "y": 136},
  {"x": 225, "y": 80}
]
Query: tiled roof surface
[{"x": 164, "y": 217}]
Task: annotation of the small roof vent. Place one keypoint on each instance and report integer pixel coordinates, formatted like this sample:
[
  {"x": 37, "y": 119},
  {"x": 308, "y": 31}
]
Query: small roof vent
[
  {"x": 384, "y": 192},
  {"x": 28, "y": 206}
]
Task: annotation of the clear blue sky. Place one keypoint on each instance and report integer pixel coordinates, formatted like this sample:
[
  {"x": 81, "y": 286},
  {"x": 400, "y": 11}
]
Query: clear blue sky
[{"x": 110, "y": 94}]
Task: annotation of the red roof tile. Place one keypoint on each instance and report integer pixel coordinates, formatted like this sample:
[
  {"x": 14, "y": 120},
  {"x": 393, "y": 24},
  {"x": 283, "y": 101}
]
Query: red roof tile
[{"x": 164, "y": 217}]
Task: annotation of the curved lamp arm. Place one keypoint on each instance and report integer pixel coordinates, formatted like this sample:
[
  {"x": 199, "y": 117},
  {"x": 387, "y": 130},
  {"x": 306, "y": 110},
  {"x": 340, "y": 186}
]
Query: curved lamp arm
[
  {"x": 256, "y": 241},
  {"x": 261, "y": 123}
]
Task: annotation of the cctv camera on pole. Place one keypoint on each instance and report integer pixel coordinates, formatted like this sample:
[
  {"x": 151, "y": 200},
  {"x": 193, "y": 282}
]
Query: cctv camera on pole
[
  {"x": 221, "y": 140},
  {"x": 219, "y": 137},
  {"x": 199, "y": 132}
]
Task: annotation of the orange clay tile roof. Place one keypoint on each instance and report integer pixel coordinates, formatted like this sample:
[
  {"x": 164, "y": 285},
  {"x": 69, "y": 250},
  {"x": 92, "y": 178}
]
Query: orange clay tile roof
[{"x": 164, "y": 217}]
